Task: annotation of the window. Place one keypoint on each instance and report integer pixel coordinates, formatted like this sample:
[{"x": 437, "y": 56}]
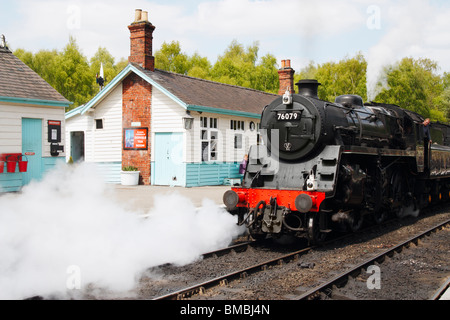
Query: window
[
  {"x": 238, "y": 141},
  {"x": 237, "y": 125},
  {"x": 98, "y": 123},
  {"x": 209, "y": 136}
]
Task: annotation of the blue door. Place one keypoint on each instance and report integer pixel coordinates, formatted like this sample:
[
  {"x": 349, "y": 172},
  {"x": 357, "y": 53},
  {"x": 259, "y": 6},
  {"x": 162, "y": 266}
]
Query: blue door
[
  {"x": 169, "y": 166},
  {"x": 32, "y": 146}
]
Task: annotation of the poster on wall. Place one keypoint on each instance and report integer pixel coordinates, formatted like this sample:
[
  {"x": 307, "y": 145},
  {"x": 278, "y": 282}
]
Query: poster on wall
[{"x": 135, "y": 139}]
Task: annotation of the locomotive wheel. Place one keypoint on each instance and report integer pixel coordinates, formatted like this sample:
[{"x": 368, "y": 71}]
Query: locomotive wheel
[
  {"x": 314, "y": 235},
  {"x": 399, "y": 185},
  {"x": 356, "y": 222},
  {"x": 379, "y": 216}
]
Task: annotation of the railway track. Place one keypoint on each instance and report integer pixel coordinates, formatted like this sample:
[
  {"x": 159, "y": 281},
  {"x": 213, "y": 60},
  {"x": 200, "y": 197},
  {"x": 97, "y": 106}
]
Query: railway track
[
  {"x": 326, "y": 289},
  {"x": 223, "y": 280},
  {"x": 200, "y": 288}
]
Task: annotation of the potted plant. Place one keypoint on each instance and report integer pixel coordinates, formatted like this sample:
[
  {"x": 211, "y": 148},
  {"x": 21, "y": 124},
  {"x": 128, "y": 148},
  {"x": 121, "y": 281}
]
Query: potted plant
[{"x": 129, "y": 176}]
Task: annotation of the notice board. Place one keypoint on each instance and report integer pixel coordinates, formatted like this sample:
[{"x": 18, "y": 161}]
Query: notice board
[{"x": 135, "y": 138}]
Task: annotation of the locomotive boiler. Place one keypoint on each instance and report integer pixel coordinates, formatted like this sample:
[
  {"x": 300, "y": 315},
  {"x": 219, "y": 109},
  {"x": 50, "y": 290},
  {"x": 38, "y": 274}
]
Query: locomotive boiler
[{"x": 325, "y": 165}]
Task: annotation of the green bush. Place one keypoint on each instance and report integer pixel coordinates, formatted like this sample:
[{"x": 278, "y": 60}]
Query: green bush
[{"x": 130, "y": 168}]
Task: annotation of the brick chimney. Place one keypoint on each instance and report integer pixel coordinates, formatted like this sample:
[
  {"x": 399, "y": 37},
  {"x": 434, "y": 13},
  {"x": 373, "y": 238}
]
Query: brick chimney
[
  {"x": 141, "y": 39},
  {"x": 137, "y": 95},
  {"x": 286, "y": 77}
]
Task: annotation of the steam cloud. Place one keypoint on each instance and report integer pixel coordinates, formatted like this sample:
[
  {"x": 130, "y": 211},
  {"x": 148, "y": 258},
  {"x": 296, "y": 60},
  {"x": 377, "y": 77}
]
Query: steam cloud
[{"x": 70, "y": 221}]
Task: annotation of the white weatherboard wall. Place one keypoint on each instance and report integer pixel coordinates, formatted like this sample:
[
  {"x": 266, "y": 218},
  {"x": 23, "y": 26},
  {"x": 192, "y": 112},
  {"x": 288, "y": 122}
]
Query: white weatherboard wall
[
  {"x": 11, "y": 116},
  {"x": 226, "y": 150},
  {"x": 11, "y": 126},
  {"x": 102, "y": 146}
]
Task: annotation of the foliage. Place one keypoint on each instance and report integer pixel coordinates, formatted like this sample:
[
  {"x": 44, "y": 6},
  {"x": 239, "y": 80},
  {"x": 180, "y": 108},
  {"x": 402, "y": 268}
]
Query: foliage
[
  {"x": 237, "y": 66},
  {"x": 415, "y": 85},
  {"x": 69, "y": 71},
  {"x": 130, "y": 168},
  {"x": 347, "y": 76}
]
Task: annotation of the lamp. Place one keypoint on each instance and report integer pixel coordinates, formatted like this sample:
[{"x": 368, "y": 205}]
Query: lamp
[{"x": 188, "y": 120}]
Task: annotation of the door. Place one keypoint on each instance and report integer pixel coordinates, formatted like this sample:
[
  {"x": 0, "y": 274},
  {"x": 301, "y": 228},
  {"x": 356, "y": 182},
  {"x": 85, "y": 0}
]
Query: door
[
  {"x": 77, "y": 146},
  {"x": 169, "y": 167},
  {"x": 32, "y": 148}
]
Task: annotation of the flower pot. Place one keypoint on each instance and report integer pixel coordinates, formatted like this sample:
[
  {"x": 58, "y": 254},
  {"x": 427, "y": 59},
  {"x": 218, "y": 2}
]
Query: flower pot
[{"x": 129, "y": 178}]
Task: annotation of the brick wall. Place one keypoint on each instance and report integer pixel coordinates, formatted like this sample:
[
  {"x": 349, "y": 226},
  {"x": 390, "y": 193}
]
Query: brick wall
[{"x": 136, "y": 107}]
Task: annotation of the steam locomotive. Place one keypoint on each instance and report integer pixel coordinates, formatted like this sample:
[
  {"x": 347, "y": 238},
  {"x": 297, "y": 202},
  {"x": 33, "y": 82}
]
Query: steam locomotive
[{"x": 326, "y": 165}]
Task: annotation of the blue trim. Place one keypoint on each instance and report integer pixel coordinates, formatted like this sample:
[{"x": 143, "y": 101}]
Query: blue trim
[
  {"x": 10, "y": 182},
  {"x": 224, "y": 111},
  {"x": 110, "y": 171},
  {"x": 205, "y": 174},
  {"x": 74, "y": 112},
  {"x": 39, "y": 102}
]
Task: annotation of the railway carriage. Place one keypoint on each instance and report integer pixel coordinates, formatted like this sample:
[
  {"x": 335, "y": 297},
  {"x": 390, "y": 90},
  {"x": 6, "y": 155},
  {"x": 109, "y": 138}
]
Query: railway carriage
[{"x": 325, "y": 164}]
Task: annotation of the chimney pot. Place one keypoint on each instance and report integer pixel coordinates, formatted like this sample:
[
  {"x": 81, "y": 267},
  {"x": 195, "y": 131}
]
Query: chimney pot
[
  {"x": 144, "y": 16},
  {"x": 288, "y": 63},
  {"x": 141, "y": 41},
  {"x": 137, "y": 15},
  {"x": 283, "y": 64}
]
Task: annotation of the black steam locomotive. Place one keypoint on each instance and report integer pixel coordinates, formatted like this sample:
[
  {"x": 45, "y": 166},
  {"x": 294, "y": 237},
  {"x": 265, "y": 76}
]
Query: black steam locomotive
[{"x": 324, "y": 165}]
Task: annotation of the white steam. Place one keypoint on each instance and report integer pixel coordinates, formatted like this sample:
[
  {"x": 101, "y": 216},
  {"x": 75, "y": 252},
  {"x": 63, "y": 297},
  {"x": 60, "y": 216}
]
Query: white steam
[{"x": 68, "y": 232}]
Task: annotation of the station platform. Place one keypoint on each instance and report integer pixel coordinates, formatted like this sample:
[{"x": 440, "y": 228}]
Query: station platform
[{"x": 141, "y": 198}]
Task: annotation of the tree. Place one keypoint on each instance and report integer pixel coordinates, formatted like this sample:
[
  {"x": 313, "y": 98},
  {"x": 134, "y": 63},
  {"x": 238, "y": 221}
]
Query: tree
[
  {"x": 170, "y": 58},
  {"x": 413, "y": 84},
  {"x": 266, "y": 75},
  {"x": 69, "y": 71},
  {"x": 110, "y": 69},
  {"x": 236, "y": 65},
  {"x": 347, "y": 76},
  {"x": 199, "y": 67}
]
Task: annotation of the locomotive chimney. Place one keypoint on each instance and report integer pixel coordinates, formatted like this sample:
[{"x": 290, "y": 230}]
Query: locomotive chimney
[
  {"x": 286, "y": 77},
  {"x": 141, "y": 41},
  {"x": 308, "y": 88}
]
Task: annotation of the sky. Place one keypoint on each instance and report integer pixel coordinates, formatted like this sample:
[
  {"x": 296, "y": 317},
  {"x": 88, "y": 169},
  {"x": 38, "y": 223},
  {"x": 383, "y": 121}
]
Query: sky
[{"x": 384, "y": 31}]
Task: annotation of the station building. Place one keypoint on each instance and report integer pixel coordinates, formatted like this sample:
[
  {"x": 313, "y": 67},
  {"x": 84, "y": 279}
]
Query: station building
[
  {"x": 32, "y": 123},
  {"x": 177, "y": 130}
]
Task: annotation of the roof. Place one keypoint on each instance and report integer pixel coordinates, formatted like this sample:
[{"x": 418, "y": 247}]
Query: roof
[
  {"x": 199, "y": 92},
  {"x": 192, "y": 93},
  {"x": 20, "y": 84}
]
